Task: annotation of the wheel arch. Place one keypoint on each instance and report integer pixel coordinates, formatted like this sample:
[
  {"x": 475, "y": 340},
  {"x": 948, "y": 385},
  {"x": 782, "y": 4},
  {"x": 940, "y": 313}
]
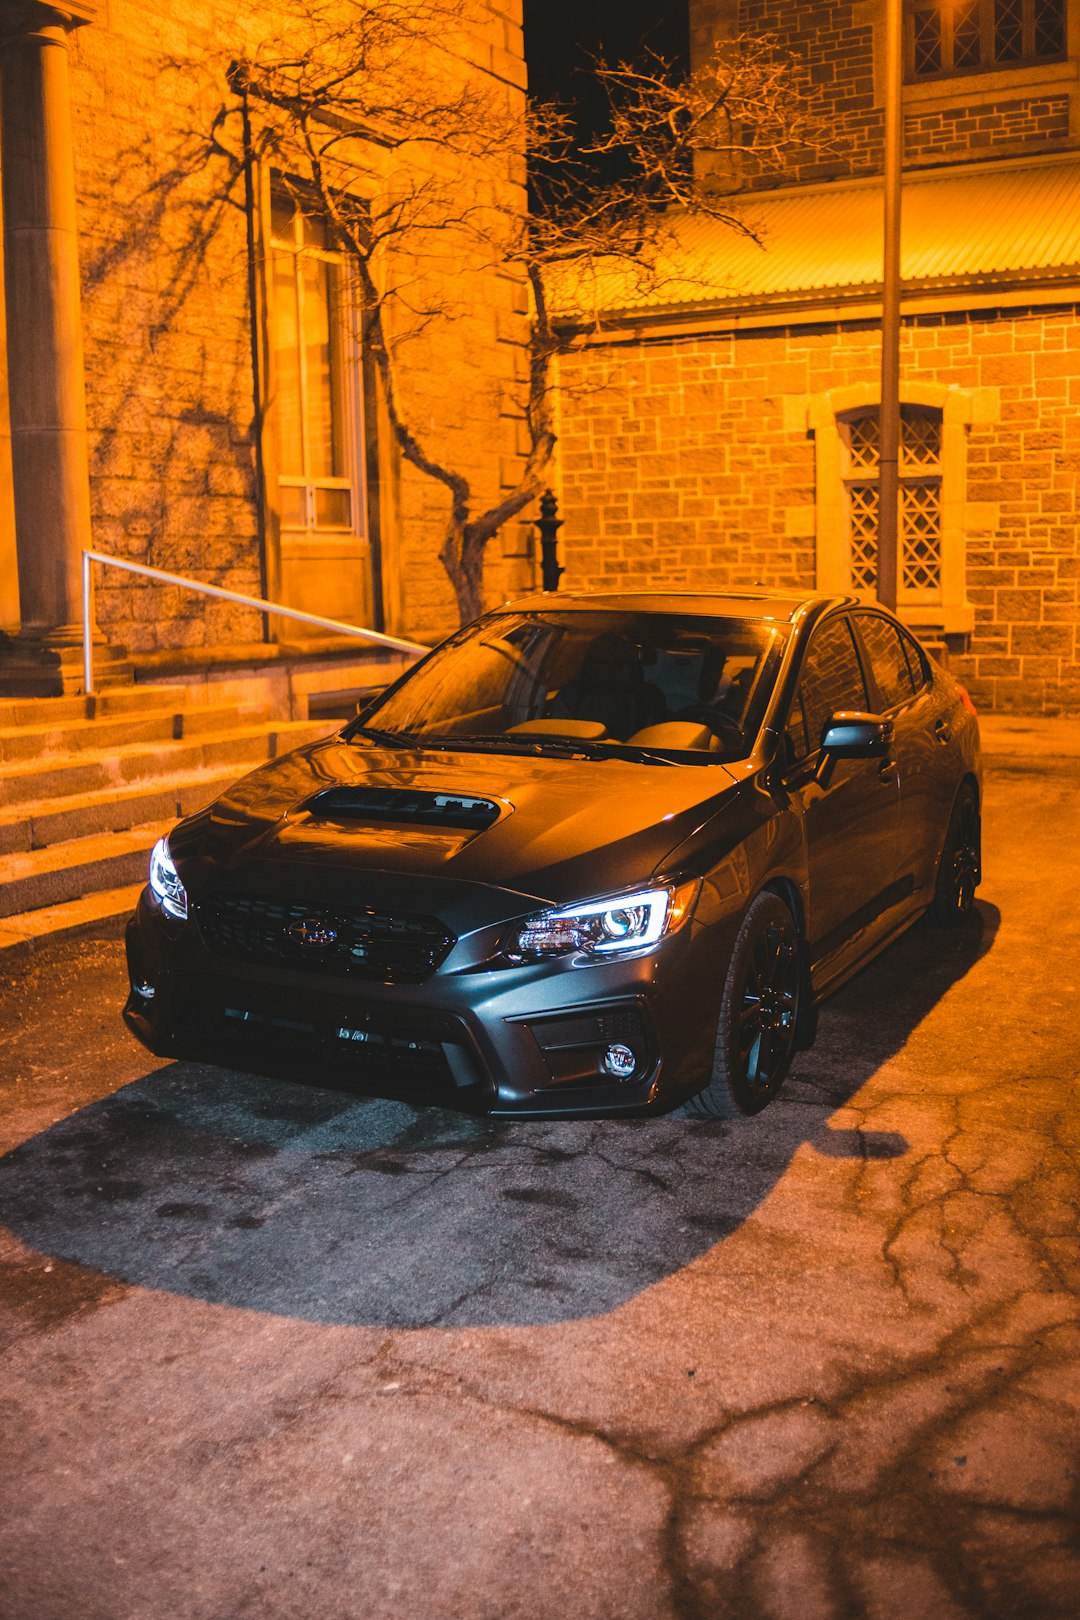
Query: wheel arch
[
  {"x": 787, "y": 890},
  {"x": 970, "y": 779}
]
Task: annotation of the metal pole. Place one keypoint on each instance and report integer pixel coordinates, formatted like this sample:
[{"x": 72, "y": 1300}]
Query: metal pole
[
  {"x": 87, "y": 626},
  {"x": 889, "y": 467}
]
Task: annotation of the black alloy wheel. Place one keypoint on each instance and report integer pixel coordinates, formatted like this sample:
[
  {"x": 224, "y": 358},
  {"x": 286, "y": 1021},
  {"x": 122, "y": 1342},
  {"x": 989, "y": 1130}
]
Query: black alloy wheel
[
  {"x": 756, "y": 1031},
  {"x": 960, "y": 866}
]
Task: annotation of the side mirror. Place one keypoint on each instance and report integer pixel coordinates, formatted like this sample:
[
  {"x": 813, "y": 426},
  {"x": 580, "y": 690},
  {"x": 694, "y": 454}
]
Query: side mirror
[
  {"x": 852, "y": 735},
  {"x": 367, "y": 702}
]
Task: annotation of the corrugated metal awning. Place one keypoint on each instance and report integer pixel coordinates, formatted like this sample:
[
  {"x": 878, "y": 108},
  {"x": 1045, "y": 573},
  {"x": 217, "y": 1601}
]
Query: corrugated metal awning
[{"x": 959, "y": 228}]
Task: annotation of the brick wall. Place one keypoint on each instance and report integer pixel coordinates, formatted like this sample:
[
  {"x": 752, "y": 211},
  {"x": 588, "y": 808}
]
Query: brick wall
[
  {"x": 984, "y": 131},
  {"x": 167, "y": 319},
  {"x": 680, "y": 466}
]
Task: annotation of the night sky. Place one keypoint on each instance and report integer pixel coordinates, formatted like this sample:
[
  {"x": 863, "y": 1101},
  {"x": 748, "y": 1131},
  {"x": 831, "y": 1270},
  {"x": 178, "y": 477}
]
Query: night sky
[{"x": 561, "y": 36}]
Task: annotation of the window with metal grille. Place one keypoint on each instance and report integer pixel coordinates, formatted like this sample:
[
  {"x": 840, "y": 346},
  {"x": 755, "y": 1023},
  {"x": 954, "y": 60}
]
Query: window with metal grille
[
  {"x": 920, "y": 500},
  {"x": 970, "y": 36}
]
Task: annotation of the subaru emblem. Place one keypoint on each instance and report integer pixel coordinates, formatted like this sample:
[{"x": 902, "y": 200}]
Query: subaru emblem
[{"x": 312, "y": 934}]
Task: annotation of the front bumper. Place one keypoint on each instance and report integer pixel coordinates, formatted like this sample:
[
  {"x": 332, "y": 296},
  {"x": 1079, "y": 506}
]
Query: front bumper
[{"x": 518, "y": 1042}]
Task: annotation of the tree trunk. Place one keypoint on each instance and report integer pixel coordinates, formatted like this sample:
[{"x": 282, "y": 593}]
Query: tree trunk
[{"x": 464, "y": 563}]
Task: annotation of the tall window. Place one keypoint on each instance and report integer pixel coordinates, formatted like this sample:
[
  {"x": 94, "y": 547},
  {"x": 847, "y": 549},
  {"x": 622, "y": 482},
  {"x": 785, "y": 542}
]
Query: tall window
[
  {"x": 313, "y": 400},
  {"x": 969, "y": 36},
  {"x": 920, "y": 500}
]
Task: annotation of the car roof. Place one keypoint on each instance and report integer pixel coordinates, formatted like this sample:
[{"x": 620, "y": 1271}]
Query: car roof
[{"x": 749, "y": 604}]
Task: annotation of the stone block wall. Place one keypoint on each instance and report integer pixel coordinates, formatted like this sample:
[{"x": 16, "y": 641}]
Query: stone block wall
[
  {"x": 687, "y": 463},
  {"x": 836, "y": 42},
  {"x": 989, "y": 131},
  {"x": 168, "y": 331}
]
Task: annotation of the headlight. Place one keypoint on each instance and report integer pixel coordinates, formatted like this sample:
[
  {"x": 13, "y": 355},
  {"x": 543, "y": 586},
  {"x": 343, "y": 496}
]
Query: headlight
[
  {"x": 619, "y": 922},
  {"x": 165, "y": 881}
]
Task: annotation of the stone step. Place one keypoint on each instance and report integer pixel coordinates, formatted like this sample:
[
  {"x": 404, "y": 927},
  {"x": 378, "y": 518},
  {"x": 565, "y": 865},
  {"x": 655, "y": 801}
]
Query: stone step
[
  {"x": 52, "y": 821},
  {"x": 39, "y": 741},
  {"x": 70, "y": 871},
  {"x": 103, "y": 915},
  {"x": 58, "y": 710},
  {"x": 92, "y": 770}
]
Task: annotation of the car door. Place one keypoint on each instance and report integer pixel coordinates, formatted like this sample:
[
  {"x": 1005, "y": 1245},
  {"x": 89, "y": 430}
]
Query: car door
[
  {"x": 850, "y": 818},
  {"x": 902, "y": 686}
]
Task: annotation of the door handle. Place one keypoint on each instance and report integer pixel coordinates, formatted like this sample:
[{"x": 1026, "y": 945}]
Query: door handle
[{"x": 942, "y": 730}]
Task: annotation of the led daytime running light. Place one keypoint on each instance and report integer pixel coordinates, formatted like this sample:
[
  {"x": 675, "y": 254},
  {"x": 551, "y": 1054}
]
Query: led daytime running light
[{"x": 165, "y": 881}]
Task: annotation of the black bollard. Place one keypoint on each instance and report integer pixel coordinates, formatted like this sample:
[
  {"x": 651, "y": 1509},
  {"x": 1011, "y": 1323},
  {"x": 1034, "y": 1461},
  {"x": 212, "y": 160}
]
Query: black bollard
[{"x": 549, "y": 525}]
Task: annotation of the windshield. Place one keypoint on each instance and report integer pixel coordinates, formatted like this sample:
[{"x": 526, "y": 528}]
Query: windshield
[{"x": 639, "y": 685}]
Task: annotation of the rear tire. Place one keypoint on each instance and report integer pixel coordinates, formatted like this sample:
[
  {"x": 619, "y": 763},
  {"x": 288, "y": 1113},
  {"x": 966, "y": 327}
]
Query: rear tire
[
  {"x": 960, "y": 866},
  {"x": 759, "y": 1014}
]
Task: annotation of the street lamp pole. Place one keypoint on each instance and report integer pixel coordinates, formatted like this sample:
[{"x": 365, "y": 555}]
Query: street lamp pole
[{"x": 889, "y": 467}]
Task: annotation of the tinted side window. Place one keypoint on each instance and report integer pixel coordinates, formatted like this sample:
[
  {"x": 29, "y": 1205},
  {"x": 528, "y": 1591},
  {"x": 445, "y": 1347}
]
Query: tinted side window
[
  {"x": 887, "y": 659},
  {"x": 917, "y": 663},
  {"x": 831, "y": 678}
]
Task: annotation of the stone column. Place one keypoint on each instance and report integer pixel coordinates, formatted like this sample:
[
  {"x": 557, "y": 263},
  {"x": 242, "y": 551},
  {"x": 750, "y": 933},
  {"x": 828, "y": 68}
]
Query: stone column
[{"x": 45, "y": 350}]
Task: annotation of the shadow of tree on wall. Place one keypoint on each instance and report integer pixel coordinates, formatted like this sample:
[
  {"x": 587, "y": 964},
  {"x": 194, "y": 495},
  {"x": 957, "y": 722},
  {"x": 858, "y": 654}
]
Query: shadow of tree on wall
[
  {"x": 170, "y": 398},
  {"x": 317, "y": 1204}
]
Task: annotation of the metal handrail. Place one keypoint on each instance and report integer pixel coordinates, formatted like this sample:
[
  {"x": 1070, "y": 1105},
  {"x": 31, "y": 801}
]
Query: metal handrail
[{"x": 89, "y": 557}]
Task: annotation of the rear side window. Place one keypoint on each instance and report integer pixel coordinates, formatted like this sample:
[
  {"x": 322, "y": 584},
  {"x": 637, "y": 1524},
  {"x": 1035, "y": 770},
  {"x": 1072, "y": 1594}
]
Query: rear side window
[
  {"x": 917, "y": 662},
  {"x": 831, "y": 679},
  {"x": 888, "y": 659}
]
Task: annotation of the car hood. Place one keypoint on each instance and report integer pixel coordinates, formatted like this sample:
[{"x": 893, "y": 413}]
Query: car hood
[{"x": 551, "y": 829}]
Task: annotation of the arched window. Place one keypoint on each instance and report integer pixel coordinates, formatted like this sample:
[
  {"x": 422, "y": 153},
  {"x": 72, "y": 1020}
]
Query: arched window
[{"x": 936, "y": 519}]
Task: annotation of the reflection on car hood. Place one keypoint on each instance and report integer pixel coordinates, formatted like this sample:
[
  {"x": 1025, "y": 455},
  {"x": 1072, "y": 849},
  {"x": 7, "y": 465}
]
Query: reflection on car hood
[{"x": 552, "y": 828}]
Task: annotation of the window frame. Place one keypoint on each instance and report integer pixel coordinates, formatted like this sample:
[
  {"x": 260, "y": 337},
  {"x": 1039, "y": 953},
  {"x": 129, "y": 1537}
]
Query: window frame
[
  {"x": 960, "y": 407},
  {"x": 350, "y": 383},
  {"x": 375, "y": 464},
  {"x": 988, "y": 61},
  {"x": 913, "y": 474}
]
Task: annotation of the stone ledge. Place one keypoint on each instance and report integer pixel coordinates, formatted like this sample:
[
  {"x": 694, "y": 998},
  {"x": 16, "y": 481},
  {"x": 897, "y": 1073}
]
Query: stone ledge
[{"x": 104, "y": 915}]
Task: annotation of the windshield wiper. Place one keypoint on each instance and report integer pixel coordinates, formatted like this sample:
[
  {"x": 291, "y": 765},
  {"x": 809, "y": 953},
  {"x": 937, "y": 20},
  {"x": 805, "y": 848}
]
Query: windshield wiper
[
  {"x": 558, "y": 747},
  {"x": 389, "y": 739}
]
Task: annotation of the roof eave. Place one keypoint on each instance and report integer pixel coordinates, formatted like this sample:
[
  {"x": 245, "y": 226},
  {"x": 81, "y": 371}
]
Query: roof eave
[{"x": 811, "y": 306}]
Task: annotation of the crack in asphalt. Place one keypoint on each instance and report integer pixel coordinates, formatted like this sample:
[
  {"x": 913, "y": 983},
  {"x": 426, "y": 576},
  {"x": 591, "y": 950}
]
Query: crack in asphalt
[{"x": 864, "y": 1402}]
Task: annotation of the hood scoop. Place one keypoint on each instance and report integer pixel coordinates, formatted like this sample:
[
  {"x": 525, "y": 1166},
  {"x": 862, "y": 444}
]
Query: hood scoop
[{"x": 411, "y": 807}]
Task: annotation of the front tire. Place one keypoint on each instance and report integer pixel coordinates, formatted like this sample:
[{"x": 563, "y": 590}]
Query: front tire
[
  {"x": 759, "y": 1013},
  {"x": 960, "y": 866}
]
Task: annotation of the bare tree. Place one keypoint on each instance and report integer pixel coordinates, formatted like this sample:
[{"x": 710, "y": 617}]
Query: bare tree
[{"x": 418, "y": 164}]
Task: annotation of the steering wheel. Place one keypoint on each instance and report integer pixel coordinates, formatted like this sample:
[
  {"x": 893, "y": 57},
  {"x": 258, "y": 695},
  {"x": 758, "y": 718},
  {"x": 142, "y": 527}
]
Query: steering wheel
[{"x": 722, "y": 726}]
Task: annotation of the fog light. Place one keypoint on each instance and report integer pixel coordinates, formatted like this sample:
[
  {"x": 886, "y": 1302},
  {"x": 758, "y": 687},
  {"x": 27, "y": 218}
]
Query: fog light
[
  {"x": 144, "y": 988},
  {"x": 620, "y": 1061}
]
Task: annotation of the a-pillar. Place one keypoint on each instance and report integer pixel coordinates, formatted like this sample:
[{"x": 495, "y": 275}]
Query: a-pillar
[{"x": 44, "y": 347}]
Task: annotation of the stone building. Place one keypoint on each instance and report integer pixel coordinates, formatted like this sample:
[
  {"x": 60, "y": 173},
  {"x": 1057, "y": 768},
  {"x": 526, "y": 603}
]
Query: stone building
[
  {"x": 724, "y": 428},
  {"x": 181, "y": 384}
]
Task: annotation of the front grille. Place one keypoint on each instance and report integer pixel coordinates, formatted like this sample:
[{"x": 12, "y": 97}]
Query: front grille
[{"x": 346, "y": 940}]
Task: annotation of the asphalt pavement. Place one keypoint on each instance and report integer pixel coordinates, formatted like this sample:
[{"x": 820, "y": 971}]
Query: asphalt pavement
[{"x": 274, "y": 1351}]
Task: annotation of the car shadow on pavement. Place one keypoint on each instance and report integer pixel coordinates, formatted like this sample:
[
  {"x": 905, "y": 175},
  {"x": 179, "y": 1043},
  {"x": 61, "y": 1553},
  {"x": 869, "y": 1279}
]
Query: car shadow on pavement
[{"x": 318, "y": 1204}]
